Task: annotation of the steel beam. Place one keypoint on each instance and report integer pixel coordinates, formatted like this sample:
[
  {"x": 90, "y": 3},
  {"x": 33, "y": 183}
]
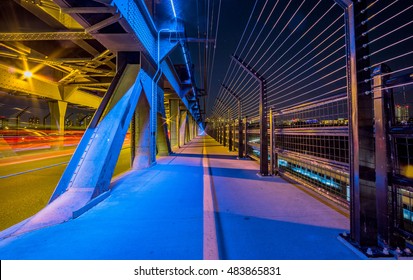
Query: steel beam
[
  {"x": 103, "y": 23},
  {"x": 45, "y": 36},
  {"x": 89, "y": 10}
]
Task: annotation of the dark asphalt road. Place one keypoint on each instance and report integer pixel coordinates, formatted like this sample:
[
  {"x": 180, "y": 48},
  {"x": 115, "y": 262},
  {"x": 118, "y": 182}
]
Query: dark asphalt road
[{"x": 24, "y": 194}]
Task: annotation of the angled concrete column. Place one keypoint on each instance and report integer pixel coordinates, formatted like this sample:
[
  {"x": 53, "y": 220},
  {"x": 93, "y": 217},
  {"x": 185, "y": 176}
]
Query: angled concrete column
[
  {"x": 142, "y": 137},
  {"x": 182, "y": 128},
  {"x": 57, "y": 121},
  {"x": 187, "y": 129},
  {"x": 162, "y": 141},
  {"x": 91, "y": 167},
  {"x": 174, "y": 128}
]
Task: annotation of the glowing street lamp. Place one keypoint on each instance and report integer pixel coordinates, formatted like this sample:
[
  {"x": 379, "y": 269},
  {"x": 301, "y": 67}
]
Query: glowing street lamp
[{"x": 27, "y": 74}]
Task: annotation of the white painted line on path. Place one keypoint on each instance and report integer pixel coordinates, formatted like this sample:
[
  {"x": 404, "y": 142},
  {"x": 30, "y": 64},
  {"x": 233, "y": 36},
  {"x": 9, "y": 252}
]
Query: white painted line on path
[{"x": 210, "y": 234}]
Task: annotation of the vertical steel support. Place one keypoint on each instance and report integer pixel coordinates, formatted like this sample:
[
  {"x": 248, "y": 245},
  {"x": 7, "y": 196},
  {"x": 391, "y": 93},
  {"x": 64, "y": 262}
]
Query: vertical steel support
[
  {"x": 240, "y": 145},
  {"x": 234, "y": 129},
  {"x": 240, "y": 133},
  {"x": 246, "y": 137},
  {"x": 381, "y": 120},
  {"x": 363, "y": 223},
  {"x": 263, "y": 130},
  {"x": 263, "y": 115},
  {"x": 220, "y": 132},
  {"x": 224, "y": 140},
  {"x": 230, "y": 143},
  {"x": 271, "y": 143},
  {"x": 276, "y": 170}
]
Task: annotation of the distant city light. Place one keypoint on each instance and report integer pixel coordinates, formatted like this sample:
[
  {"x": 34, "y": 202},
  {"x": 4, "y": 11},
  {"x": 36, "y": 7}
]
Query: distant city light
[
  {"x": 173, "y": 7},
  {"x": 27, "y": 74}
]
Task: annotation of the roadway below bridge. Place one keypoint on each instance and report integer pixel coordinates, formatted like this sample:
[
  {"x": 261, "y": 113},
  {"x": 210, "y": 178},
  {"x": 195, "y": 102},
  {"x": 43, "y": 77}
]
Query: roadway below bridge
[
  {"x": 199, "y": 203},
  {"x": 28, "y": 180}
]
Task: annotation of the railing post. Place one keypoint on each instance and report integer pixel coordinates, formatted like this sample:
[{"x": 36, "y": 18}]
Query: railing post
[
  {"x": 219, "y": 131},
  {"x": 263, "y": 130},
  {"x": 276, "y": 168},
  {"x": 271, "y": 143},
  {"x": 363, "y": 224},
  {"x": 233, "y": 135},
  {"x": 263, "y": 115},
  {"x": 230, "y": 143},
  {"x": 240, "y": 138},
  {"x": 246, "y": 137},
  {"x": 225, "y": 133},
  {"x": 381, "y": 120}
]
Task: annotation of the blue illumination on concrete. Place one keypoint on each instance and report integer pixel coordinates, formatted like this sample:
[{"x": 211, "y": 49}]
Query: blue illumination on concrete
[
  {"x": 173, "y": 7},
  {"x": 167, "y": 223}
]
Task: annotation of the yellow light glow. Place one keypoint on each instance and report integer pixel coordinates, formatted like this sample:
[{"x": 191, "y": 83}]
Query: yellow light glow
[{"x": 28, "y": 74}]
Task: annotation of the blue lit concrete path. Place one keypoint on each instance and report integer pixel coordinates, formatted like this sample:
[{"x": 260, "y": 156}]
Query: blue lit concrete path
[{"x": 162, "y": 213}]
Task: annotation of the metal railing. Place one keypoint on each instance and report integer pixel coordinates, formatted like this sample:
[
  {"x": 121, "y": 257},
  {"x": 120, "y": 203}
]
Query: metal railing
[{"x": 355, "y": 148}]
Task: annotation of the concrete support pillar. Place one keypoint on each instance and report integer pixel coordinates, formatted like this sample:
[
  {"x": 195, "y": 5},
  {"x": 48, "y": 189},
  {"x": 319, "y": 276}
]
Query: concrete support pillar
[
  {"x": 187, "y": 129},
  {"x": 174, "y": 127},
  {"x": 182, "y": 128},
  {"x": 57, "y": 121},
  {"x": 162, "y": 141},
  {"x": 191, "y": 128},
  {"x": 142, "y": 136},
  {"x": 195, "y": 128},
  {"x": 57, "y": 113}
]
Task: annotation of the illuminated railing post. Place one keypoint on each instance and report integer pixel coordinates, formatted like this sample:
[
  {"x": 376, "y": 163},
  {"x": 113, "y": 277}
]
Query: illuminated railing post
[
  {"x": 363, "y": 224},
  {"x": 230, "y": 143},
  {"x": 224, "y": 127},
  {"x": 381, "y": 121},
  {"x": 263, "y": 115},
  {"x": 272, "y": 154},
  {"x": 220, "y": 131},
  {"x": 246, "y": 137}
]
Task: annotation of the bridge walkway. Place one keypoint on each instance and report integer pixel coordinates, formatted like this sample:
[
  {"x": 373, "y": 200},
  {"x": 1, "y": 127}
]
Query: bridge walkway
[{"x": 163, "y": 212}]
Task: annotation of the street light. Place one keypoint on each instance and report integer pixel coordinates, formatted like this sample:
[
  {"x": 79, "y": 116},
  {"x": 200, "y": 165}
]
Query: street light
[{"x": 28, "y": 74}]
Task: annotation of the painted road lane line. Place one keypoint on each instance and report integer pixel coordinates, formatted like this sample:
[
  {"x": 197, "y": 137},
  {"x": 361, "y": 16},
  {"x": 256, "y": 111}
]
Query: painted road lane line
[{"x": 210, "y": 243}]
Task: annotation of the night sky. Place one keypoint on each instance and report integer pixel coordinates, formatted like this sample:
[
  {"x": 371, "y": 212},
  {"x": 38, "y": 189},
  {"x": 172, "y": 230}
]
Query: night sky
[{"x": 298, "y": 45}]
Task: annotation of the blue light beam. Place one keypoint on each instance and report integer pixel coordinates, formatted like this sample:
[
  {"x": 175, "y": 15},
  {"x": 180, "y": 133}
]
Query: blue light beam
[{"x": 173, "y": 7}]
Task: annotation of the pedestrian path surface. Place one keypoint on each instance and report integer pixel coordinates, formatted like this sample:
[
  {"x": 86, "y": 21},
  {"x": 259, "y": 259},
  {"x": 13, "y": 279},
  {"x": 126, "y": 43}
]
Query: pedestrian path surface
[{"x": 160, "y": 213}]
